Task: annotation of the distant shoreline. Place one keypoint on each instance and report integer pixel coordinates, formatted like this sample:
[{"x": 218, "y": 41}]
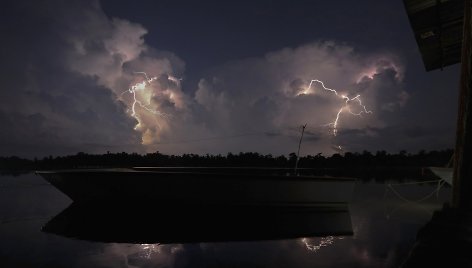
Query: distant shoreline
[{"x": 365, "y": 166}]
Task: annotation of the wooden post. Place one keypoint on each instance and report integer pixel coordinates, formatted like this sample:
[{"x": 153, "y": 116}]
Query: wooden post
[{"x": 462, "y": 180}]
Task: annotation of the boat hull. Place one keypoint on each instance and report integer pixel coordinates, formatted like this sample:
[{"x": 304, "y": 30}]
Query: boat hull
[{"x": 183, "y": 186}]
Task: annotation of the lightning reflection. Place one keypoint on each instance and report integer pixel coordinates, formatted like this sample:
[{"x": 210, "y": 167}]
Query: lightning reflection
[
  {"x": 323, "y": 242},
  {"x": 149, "y": 249}
]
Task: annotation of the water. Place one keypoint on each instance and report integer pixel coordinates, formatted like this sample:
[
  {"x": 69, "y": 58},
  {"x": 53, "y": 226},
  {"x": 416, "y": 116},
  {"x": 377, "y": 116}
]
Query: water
[{"x": 384, "y": 225}]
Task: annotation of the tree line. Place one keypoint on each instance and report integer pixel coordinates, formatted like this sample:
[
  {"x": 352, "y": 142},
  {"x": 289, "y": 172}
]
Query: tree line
[{"x": 246, "y": 159}]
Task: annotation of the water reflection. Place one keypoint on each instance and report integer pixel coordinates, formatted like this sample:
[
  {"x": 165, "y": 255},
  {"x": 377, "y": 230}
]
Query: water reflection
[
  {"x": 315, "y": 244},
  {"x": 378, "y": 241},
  {"x": 165, "y": 223}
]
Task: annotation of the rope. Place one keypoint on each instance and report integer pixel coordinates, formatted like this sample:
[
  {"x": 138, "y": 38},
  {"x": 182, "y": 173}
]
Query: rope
[
  {"x": 440, "y": 184},
  {"x": 416, "y": 202},
  {"x": 7, "y": 221},
  {"x": 24, "y": 185},
  {"x": 415, "y": 182}
]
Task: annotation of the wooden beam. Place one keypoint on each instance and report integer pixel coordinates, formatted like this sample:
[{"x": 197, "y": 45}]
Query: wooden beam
[{"x": 462, "y": 180}]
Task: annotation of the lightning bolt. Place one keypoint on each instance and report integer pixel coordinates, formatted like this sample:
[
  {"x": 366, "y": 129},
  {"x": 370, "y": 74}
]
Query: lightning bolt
[
  {"x": 346, "y": 107},
  {"x": 139, "y": 87}
]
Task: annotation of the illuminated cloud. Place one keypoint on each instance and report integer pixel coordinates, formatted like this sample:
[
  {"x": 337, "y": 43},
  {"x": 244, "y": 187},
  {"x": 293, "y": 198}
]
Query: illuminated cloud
[
  {"x": 46, "y": 108},
  {"x": 71, "y": 94},
  {"x": 66, "y": 79},
  {"x": 273, "y": 94}
]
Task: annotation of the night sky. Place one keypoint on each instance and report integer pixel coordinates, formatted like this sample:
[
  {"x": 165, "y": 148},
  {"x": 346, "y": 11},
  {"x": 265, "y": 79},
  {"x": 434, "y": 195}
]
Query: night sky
[{"x": 221, "y": 77}]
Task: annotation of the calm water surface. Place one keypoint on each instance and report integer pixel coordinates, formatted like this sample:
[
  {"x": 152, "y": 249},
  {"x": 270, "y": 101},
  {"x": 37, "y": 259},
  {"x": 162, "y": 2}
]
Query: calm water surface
[{"x": 384, "y": 220}]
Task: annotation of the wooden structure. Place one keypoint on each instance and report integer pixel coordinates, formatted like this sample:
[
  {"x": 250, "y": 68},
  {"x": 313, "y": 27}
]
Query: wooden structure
[
  {"x": 463, "y": 153},
  {"x": 446, "y": 240},
  {"x": 437, "y": 25},
  {"x": 442, "y": 30}
]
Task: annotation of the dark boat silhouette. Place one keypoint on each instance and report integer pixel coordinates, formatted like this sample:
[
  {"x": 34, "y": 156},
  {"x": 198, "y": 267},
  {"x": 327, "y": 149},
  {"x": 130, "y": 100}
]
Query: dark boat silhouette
[
  {"x": 207, "y": 185},
  {"x": 185, "y": 205}
]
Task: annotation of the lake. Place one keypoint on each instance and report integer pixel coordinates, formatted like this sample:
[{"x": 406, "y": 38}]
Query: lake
[{"x": 384, "y": 219}]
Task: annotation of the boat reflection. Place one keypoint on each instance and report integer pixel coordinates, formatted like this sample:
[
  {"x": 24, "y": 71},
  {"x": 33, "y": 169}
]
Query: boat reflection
[{"x": 164, "y": 223}]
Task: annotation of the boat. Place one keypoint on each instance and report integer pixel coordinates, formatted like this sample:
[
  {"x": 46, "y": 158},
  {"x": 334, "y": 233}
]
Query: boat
[
  {"x": 201, "y": 185},
  {"x": 445, "y": 173}
]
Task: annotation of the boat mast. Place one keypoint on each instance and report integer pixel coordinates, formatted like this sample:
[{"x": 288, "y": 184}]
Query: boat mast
[{"x": 299, "y": 145}]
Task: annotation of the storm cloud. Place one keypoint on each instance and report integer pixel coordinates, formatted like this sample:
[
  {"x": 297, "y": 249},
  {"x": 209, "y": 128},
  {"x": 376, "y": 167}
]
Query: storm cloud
[
  {"x": 66, "y": 65},
  {"x": 272, "y": 94},
  {"x": 70, "y": 66}
]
